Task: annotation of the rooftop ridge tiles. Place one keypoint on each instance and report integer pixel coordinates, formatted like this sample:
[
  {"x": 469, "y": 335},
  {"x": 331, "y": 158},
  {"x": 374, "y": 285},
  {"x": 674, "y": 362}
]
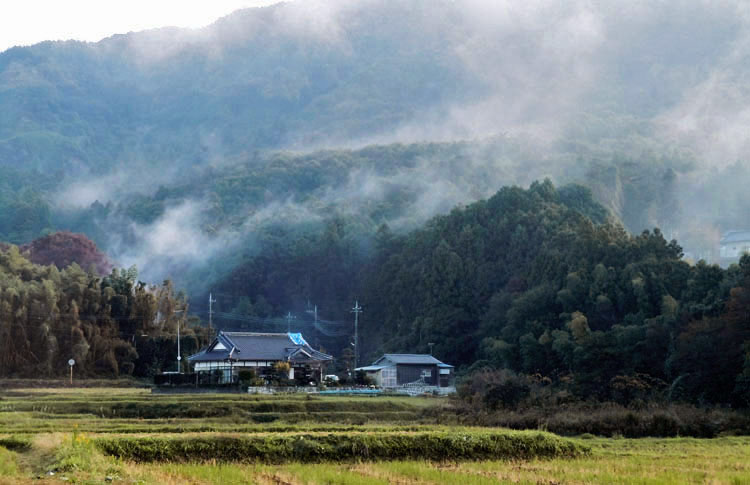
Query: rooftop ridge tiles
[{"x": 253, "y": 334}]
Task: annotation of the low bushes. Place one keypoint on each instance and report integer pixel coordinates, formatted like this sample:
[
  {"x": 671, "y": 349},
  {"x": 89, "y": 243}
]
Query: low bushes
[
  {"x": 633, "y": 406},
  {"x": 611, "y": 419},
  {"x": 436, "y": 446}
]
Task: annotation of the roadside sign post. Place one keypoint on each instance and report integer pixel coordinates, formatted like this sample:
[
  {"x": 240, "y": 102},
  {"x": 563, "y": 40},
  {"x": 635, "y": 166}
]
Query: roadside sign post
[{"x": 71, "y": 363}]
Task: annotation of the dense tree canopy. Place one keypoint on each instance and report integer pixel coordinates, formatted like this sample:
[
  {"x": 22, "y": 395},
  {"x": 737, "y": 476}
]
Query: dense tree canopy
[
  {"x": 525, "y": 281},
  {"x": 539, "y": 281},
  {"x": 112, "y": 326},
  {"x": 65, "y": 248}
]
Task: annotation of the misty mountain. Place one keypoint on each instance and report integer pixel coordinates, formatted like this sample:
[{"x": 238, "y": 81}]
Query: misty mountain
[
  {"x": 171, "y": 148},
  {"x": 335, "y": 73}
]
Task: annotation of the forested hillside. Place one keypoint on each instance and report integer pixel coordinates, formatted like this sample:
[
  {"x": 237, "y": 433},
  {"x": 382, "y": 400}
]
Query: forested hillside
[
  {"x": 526, "y": 281},
  {"x": 541, "y": 281},
  {"x": 105, "y": 138},
  {"x": 315, "y": 74},
  {"x": 218, "y": 212},
  {"x": 112, "y": 326},
  {"x": 308, "y": 154}
]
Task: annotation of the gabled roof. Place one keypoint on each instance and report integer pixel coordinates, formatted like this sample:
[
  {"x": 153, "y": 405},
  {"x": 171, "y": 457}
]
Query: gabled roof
[
  {"x": 260, "y": 346},
  {"x": 419, "y": 359},
  {"x": 735, "y": 236}
]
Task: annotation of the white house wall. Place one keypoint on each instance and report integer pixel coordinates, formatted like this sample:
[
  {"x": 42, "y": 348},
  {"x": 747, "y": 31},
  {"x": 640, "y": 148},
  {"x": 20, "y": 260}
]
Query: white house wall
[
  {"x": 204, "y": 366},
  {"x": 734, "y": 250}
]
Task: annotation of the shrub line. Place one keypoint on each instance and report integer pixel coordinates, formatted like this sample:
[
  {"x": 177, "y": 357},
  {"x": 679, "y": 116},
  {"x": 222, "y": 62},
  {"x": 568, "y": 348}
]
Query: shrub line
[{"x": 308, "y": 448}]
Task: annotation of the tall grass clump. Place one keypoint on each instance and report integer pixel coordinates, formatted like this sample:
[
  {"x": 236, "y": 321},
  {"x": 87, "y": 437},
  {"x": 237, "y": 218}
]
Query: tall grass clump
[
  {"x": 434, "y": 446},
  {"x": 8, "y": 465},
  {"x": 80, "y": 454}
]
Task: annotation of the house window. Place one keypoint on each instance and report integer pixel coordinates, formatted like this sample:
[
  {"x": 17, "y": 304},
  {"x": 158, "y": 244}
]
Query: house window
[
  {"x": 426, "y": 374},
  {"x": 389, "y": 377}
]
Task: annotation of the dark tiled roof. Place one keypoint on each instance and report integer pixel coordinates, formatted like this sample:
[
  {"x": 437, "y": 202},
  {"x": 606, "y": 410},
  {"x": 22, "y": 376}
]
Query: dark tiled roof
[
  {"x": 259, "y": 346},
  {"x": 422, "y": 359}
]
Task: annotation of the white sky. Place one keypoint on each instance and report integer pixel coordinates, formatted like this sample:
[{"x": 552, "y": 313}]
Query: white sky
[{"x": 26, "y": 22}]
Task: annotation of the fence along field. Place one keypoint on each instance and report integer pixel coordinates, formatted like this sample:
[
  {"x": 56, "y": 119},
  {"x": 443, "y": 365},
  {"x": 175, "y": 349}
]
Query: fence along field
[{"x": 131, "y": 436}]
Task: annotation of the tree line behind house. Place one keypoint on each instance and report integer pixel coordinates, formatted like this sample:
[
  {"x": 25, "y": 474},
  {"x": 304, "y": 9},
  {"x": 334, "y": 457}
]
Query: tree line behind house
[{"x": 541, "y": 282}]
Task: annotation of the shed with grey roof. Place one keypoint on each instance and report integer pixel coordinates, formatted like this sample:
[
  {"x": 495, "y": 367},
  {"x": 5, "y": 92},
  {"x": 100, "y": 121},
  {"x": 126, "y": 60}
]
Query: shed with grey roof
[{"x": 397, "y": 370}]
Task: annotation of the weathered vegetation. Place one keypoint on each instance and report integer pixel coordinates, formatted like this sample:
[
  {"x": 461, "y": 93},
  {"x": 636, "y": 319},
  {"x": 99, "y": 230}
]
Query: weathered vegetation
[{"x": 82, "y": 446}]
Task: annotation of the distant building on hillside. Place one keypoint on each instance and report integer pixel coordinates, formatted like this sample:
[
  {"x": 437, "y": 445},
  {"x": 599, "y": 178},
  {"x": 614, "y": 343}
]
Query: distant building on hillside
[
  {"x": 232, "y": 352},
  {"x": 732, "y": 246},
  {"x": 393, "y": 371}
]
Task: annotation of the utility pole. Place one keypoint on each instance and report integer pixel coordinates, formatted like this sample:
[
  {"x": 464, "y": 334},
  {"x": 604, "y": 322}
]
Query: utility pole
[
  {"x": 211, "y": 302},
  {"x": 356, "y": 310},
  {"x": 289, "y": 318},
  {"x": 179, "y": 355},
  {"x": 431, "y": 344},
  {"x": 314, "y": 311}
]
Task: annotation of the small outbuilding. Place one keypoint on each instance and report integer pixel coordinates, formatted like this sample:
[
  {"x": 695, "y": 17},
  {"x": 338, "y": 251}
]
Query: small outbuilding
[{"x": 393, "y": 371}]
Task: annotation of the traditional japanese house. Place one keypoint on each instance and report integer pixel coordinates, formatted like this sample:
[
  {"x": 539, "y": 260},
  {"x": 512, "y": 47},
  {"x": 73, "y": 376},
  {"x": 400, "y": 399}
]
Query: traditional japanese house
[{"x": 232, "y": 352}]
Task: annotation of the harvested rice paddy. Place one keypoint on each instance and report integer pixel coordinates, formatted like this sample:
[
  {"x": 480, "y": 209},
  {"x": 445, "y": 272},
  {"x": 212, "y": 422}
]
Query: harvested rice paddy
[{"x": 131, "y": 436}]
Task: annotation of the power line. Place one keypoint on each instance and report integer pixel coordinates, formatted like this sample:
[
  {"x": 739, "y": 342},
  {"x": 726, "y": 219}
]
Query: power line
[{"x": 325, "y": 327}]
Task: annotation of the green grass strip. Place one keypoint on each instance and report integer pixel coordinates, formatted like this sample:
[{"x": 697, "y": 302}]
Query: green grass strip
[{"x": 306, "y": 448}]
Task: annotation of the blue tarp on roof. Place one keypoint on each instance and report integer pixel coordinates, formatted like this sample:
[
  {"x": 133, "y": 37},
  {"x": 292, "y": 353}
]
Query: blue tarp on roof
[{"x": 297, "y": 338}]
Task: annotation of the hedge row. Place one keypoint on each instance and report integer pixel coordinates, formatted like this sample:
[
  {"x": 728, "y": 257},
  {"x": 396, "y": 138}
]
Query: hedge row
[
  {"x": 435, "y": 446},
  {"x": 249, "y": 423},
  {"x": 306, "y": 424},
  {"x": 14, "y": 383},
  {"x": 152, "y": 410}
]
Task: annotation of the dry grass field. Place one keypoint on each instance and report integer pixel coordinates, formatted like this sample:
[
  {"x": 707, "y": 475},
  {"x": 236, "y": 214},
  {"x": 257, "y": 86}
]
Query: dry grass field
[{"x": 68, "y": 436}]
